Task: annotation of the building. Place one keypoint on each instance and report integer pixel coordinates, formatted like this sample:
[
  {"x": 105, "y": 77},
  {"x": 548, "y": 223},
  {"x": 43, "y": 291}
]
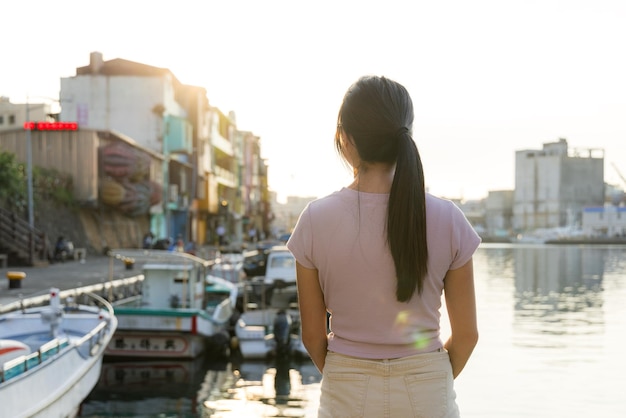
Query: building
[
  {"x": 554, "y": 184},
  {"x": 286, "y": 214},
  {"x": 202, "y": 148},
  {"x": 145, "y": 104},
  {"x": 254, "y": 201},
  {"x": 499, "y": 214},
  {"x": 13, "y": 115},
  {"x": 604, "y": 221},
  {"x": 148, "y": 152}
]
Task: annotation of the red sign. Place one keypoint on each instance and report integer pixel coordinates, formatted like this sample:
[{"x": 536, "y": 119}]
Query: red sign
[{"x": 51, "y": 126}]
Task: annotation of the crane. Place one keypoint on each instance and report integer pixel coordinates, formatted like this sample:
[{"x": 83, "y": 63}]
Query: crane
[{"x": 619, "y": 173}]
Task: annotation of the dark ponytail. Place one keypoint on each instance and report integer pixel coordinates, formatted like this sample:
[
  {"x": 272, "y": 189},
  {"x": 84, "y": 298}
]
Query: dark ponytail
[
  {"x": 378, "y": 114},
  {"x": 406, "y": 219}
]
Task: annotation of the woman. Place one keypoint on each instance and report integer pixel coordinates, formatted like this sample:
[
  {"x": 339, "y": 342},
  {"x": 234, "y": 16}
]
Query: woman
[{"x": 376, "y": 256}]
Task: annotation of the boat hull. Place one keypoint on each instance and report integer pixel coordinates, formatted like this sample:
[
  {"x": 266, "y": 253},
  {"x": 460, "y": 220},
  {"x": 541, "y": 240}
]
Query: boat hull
[
  {"x": 162, "y": 333},
  {"x": 65, "y": 360},
  {"x": 255, "y": 337},
  {"x": 128, "y": 343}
]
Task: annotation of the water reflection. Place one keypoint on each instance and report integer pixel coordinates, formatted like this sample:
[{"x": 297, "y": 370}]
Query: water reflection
[
  {"x": 551, "y": 321},
  {"x": 163, "y": 388},
  {"x": 558, "y": 290},
  {"x": 201, "y": 388},
  {"x": 281, "y": 387}
]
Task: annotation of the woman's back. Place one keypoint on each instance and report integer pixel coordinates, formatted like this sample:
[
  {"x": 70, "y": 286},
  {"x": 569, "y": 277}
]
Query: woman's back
[{"x": 343, "y": 237}]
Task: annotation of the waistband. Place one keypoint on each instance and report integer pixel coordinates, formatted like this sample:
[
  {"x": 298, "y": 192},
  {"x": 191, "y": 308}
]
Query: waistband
[{"x": 394, "y": 363}]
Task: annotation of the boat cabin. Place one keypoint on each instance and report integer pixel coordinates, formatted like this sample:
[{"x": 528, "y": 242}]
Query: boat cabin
[{"x": 169, "y": 285}]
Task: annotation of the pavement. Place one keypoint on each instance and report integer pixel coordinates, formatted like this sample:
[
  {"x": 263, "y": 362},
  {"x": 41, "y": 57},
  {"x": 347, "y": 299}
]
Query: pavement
[{"x": 93, "y": 270}]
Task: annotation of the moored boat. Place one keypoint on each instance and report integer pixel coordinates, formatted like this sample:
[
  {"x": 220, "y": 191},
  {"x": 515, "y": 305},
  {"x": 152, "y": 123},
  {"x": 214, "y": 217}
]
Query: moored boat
[
  {"x": 270, "y": 322},
  {"x": 181, "y": 312},
  {"x": 269, "y": 332},
  {"x": 51, "y": 356}
]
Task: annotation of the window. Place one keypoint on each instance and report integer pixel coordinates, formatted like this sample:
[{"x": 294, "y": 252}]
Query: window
[
  {"x": 11, "y": 119},
  {"x": 1, "y": 119}
]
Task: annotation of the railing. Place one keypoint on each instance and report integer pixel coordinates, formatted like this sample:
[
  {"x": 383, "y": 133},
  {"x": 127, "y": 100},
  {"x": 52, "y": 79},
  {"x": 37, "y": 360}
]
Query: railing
[
  {"x": 17, "y": 235},
  {"x": 22, "y": 364}
]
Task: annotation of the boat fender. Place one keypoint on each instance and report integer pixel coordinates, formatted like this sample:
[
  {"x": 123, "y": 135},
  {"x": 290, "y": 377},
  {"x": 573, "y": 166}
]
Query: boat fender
[{"x": 11, "y": 349}]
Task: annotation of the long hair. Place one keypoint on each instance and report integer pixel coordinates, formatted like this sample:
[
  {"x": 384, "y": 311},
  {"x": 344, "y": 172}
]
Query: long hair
[{"x": 378, "y": 114}]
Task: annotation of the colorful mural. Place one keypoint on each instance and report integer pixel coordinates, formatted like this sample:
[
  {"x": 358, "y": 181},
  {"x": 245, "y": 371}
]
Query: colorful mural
[{"x": 125, "y": 182}]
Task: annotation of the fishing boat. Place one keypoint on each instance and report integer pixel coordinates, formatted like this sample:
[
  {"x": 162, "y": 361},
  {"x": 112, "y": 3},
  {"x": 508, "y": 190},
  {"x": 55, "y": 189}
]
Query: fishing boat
[
  {"x": 182, "y": 311},
  {"x": 51, "y": 356},
  {"x": 269, "y": 332},
  {"x": 270, "y": 322}
]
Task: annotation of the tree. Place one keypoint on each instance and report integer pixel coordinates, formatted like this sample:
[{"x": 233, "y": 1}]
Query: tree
[{"x": 13, "y": 181}]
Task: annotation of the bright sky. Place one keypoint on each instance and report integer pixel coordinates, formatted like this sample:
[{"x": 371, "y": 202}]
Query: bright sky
[{"x": 487, "y": 77}]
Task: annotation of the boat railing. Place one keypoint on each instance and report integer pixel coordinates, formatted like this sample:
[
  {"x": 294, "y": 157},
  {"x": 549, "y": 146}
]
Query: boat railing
[
  {"x": 121, "y": 289},
  {"x": 22, "y": 364},
  {"x": 95, "y": 335},
  {"x": 162, "y": 255}
]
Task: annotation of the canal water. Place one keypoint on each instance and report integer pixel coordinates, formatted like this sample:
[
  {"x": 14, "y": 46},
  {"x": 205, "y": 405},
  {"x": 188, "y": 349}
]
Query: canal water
[{"x": 552, "y": 334}]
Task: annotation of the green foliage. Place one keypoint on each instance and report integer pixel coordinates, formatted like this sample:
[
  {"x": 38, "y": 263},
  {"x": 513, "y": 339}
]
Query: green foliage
[
  {"x": 48, "y": 184},
  {"x": 13, "y": 180},
  {"x": 52, "y": 185}
]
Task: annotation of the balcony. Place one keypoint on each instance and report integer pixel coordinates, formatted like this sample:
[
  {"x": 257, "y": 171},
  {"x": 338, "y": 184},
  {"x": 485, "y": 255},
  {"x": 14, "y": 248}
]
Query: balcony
[
  {"x": 225, "y": 177},
  {"x": 222, "y": 144}
]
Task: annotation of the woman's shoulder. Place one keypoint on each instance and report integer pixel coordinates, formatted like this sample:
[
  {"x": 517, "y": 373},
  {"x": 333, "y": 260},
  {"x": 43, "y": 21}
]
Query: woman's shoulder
[
  {"x": 440, "y": 203},
  {"x": 331, "y": 200}
]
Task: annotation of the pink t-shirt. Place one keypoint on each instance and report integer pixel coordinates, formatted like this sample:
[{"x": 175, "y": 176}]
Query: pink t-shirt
[{"x": 343, "y": 236}]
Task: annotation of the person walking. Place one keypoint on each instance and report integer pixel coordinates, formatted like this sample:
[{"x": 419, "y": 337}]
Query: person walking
[{"x": 376, "y": 256}]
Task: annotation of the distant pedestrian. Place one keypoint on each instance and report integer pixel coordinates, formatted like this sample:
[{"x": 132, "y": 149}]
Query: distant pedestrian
[
  {"x": 377, "y": 256},
  {"x": 180, "y": 244},
  {"x": 148, "y": 239},
  {"x": 221, "y": 231},
  {"x": 252, "y": 234}
]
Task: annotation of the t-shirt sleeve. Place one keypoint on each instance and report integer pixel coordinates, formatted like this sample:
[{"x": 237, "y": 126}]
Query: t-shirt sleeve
[
  {"x": 464, "y": 237},
  {"x": 301, "y": 241}
]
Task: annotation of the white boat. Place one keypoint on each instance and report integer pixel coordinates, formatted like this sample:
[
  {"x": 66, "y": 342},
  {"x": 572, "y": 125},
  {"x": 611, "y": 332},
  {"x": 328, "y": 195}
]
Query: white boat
[
  {"x": 270, "y": 323},
  {"x": 181, "y": 313},
  {"x": 51, "y": 356},
  {"x": 259, "y": 337},
  {"x": 229, "y": 266}
]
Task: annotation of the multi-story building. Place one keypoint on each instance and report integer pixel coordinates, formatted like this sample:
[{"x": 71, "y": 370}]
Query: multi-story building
[
  {"x": 286, "y": 214},
  {"x": 13, "y": 115},
  {"x": 143, "y": 103},
  {"x": 203, "y": 165},
  {"x": 554, "y": 184},
  {"x": 149, "y": 149},
  {"x": 251, "y": 185}
]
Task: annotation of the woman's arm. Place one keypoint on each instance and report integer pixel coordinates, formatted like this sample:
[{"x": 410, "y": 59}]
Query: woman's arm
[
  {"x": 312, "y": 314},
  {"x": 461, "y": 304}
]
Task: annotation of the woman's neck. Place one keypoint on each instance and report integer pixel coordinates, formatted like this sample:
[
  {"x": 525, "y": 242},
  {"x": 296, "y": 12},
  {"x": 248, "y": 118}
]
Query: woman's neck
[{"x": 373, "y": 178}]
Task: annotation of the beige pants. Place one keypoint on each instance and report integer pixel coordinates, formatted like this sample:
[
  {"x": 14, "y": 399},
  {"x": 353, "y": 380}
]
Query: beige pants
[{"x": 418, "y": 386}]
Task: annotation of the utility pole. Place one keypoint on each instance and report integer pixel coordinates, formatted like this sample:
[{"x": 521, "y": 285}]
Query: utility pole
[{"x": 29, "y": 170}]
